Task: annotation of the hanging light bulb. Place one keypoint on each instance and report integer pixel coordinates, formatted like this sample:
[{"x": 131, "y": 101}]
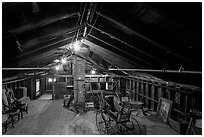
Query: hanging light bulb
[
  {"x": 57, "y": 68},
  {"x": 93, "y": 71},
  {"x": 76, "y": 46},
  {"x": 63, "y": 61},
  {"x": 49, "y": 79}
]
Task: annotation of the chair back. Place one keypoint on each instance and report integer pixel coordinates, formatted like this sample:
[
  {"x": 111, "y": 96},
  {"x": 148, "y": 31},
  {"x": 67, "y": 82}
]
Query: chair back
[
  {"x": 4, "y": 99},
  {"x": 110, "y": 101},
  {"x": 10, "y": 91},
  {"x": 9, "y": 94},
  {"x": 117, "y": 102}
]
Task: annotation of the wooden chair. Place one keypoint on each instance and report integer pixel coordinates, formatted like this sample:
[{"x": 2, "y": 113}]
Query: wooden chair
[
  {"x": 8, "y": 112},
  {"x": 120, "y": 115},
  {"x": 5, "y": 120},
  {"x": 112, "y": 118},
  {"x": 13, "y": 102}
]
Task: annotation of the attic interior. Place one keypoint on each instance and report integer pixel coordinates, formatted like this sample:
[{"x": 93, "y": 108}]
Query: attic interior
[{"x": 101, "y": 68}]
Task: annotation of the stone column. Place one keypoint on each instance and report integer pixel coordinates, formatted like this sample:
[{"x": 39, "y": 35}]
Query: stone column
[{"x": 78, "y": 70}]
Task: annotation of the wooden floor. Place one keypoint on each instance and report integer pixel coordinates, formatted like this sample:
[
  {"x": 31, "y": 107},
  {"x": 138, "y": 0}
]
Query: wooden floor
[
  {"x": 47, "y": 96},
  {"x": 49, "y": 117}
]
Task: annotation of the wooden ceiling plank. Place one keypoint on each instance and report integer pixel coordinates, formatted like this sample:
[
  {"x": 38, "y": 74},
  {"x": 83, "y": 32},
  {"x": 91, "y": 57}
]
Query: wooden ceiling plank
[
  {"x": 134, "y": 57},
  {"x": 121, "y": 41},
  {"x": 42, "y": 23},
  {"x": 109, "y": 56},
  {"x": 51, "y": 46},
  {"x": 147, "y": 39}
]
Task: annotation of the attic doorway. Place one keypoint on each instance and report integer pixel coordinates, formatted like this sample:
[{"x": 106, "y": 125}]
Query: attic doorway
[{"x": 47, "y": 95}]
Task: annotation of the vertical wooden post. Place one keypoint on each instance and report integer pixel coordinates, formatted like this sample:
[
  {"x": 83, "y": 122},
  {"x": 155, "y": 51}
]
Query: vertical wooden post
[
  {"x": 53, "y": 91},
  {"x": 15, "y": 85},
  {"x": 168, "y": 93},
  {"x": 159, "y": 93},
  {"x": 130, "y": 90},
  {"x": 137, "y": 91},
  {"x": 33, "y": 92},
  {"x": 42, "y": 85},
  {"x": 146, "y": 94},
  {"x": 28, "y": 85},
  {"x": 126, "y": 86},
  {"x": 133, "y": 90},
  {"x": 186, "y": 105},
  {"x": 118, "y": 85},
  {"x": 78, "y": 70},
  {"x": 152, "y": 97},
  {"x": 142, "y": 91}
]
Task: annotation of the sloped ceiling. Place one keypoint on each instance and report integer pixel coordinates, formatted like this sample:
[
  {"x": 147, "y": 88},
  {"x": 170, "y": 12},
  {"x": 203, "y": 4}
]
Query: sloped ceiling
[{"x": 126, "y": 35}]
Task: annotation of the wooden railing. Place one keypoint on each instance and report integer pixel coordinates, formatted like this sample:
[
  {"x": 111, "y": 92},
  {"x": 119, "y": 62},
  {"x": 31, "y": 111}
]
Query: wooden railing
[{"x": 150, "y": 93}]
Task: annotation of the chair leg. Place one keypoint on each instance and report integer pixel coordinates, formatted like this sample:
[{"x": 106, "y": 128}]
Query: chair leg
[
  {"x": 18, "y": 116},
  {"x": 12, "y": 121},
  {"x": 21, "y": 111},
  {"x": 6, "y": 126},
  {"x": 144, "y": 112},
  {"x": 26, "y": 110}
]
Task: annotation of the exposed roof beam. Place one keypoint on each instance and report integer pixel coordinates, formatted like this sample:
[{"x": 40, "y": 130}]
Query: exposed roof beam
[
  {"x": 161, "y": 71},
  {"x": 10, "y": 4},
  {"x": 25, "y": 68},
  {"x": 48, "y": 46},
  {"x": 111, "y": 57},
  {"x": 147, "y": 63},
  {"x": 93, "y": 10},
  {"x": 37, "y": 59},
  {"x": 147, "y": 39},
  {"x": 121, "y": 41},
  {"x": 42, "y": 23},
  {"x": 52, "y": 36},
  {"x": 35, "y": 54},
  {"x": 13, "y": 80}
]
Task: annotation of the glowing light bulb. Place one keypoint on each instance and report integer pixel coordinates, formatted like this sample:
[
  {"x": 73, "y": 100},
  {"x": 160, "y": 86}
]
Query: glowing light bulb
[
  {"x": 93, "y": 72},
  {"x": 49, "y": 79},
  {"x": 63, "y": 60},
  {"x": 57, "y": 68},
  {"x": 54, "y": 79},
  {"x": 76, "y": 46}
]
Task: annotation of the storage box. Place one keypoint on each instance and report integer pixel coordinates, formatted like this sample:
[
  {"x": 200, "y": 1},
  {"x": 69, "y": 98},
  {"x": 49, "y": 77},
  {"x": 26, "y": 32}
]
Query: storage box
[{"x": 179, "y": 125}]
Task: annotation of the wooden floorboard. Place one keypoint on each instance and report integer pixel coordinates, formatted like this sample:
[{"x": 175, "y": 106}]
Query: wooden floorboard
[
  {"x": 49, "y": 117},
  {"x": 46, "y": 117}
]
